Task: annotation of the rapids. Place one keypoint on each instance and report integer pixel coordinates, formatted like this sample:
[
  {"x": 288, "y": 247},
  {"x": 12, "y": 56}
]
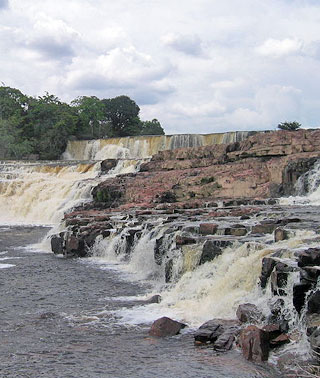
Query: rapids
[{"x": 85, "y": 318}]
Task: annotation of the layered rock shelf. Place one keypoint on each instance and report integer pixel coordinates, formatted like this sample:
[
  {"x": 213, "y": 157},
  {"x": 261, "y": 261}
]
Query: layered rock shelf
[{"x": 214, "y": 198}]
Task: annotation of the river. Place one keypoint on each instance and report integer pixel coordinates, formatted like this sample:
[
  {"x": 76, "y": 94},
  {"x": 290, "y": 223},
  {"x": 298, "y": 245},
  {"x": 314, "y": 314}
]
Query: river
[{"x": 60, "y": 318}]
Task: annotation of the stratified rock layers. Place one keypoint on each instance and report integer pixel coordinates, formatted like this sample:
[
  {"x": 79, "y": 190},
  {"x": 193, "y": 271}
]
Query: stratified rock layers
[{"x": 264, "y": 165}]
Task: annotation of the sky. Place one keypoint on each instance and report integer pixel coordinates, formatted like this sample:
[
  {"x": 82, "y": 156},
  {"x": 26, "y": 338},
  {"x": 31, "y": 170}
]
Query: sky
[{"x": 198, "y": 66}]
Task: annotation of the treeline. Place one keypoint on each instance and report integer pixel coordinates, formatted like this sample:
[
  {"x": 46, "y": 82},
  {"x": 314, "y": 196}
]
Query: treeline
[{"x": 42, "y": 126}]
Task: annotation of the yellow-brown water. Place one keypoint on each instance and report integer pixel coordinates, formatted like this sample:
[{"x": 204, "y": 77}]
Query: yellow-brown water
[{"x": 144, "y": 146}]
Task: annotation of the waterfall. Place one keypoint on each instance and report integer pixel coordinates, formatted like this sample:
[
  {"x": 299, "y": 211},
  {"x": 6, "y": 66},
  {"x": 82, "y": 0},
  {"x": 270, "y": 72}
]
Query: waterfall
[
  {"x": 193, "y": 292},
  {"x": 43, "y": 192},
  {"x": 141, "y": 147},
  {"x": 307, "y": 189}
]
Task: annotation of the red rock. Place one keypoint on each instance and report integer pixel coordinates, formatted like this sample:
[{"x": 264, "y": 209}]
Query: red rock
[
  {"x": 280, "y": 340},
  {"x": 165, "y": 327},
  {"x": 208, "y": 228},
  {"x": 255, "y": 344}
]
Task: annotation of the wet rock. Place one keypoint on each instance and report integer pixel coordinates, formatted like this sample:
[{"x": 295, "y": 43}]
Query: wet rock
[
  {"x": 299, "y": 295},
  {"x": 272, "y": 330},
  {"x": 159, "y": 250},
  {"x": 108, "y": 164},
  {"x": 279, "y": 278},
  {"x": 184, "y": 239},
  {"x": 314, "y": 303},
  {"x": 308, "y": 257},
  {"x": 279, "y": 341},
  {"x": 212, "y": 249},
  {"x": 48, "y": 315},
  {"x": 263, "y": 228},
  {"x": 218, "y": 332},
  {"x": 315, "y": 340},
  {"x": 310, "y": 274},
  {"x": 154, "y": 299},
  {"x": 254, "y": 343},
  {"x": 249, "y": 313},
  {"x": 208, "y": 228},
  {"x": 238, "y": 230},
  {"x": 276, "y": 307},
  {"x": 74, "y": 247},
  {"x": 57, "y": 244},
  {"x": 268, "y": 263},
  {"x": 280, "y": 234},
  {"x": 165, "y": 327},
  {"x": 168, "y": 270}
]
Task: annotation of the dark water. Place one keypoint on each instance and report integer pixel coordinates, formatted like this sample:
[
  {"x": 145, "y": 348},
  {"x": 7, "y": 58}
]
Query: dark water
[{"x": 57, "y": 320}]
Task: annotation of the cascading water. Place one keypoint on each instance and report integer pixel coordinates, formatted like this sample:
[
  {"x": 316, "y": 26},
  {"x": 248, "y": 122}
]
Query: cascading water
[
  {"x": 144, "y": 146},
  {"x": 42, "y": 192},
  {"x": 307, "y": 189}
]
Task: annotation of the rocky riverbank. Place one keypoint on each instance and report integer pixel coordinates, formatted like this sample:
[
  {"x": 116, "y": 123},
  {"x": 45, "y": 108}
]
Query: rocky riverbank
[{"x": 196, "y": 203}]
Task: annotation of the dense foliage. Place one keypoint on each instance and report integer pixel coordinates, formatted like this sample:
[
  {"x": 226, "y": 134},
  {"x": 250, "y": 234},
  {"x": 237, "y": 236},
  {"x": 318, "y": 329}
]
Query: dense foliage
[
  {"x": 42, "y": 126},
  {"x": 291, "y": 126}
]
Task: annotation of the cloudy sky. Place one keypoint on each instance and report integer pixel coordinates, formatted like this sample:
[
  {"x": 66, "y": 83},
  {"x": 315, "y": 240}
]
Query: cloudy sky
[{"x": 199, "y": 66}]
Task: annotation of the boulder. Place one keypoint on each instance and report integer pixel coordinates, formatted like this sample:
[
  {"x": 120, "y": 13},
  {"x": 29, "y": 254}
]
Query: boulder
[
  {"x": 249, "y": 313},
  {"x": 238, "y": 230},
  {"x": 74, "y": 247},
  {"x": 168, "y": 270},
  {"x": 57, "y": 244},
  {"x": 268, "y": 263},
  {"x": 280, "y": 234},
  {"x": 212, "y": 249},
  {"x": 308, "y": 257},
  {"x": 299, "y": 295},
  {"x": 254, "y": 343},
  {"x": 263, "y": 228},
  {"x": 272, "y": 330},
  {"x": 315, "y": 340},
  {"x": 208, "y": 228},
  {"x": 310, "y": 274},
  {"x": 314, "y": 303},
  {"x": 108, "y": 164},
  {"x": 219, "y": 333},
  {"x": 165, "y": 327}
]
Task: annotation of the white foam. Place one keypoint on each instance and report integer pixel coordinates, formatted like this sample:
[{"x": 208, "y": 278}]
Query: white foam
[{"x": 5, "y": 266}]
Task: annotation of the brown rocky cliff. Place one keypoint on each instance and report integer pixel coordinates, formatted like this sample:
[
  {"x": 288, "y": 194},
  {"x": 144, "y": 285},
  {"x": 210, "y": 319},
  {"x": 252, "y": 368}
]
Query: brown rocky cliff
[{"x": 264, "y": 165}]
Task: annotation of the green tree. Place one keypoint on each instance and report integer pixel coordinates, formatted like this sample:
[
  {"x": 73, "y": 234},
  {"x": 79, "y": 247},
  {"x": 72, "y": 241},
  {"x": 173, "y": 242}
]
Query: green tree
[
  {"x": 12, "y": 103},
  {"x": 50, "y": 123},
  {"x": 93, "y": 122},
  {"x": 152, "y": 128},
  {"x": 291, "y": 126},
  {"x": 123, "y": 113}
]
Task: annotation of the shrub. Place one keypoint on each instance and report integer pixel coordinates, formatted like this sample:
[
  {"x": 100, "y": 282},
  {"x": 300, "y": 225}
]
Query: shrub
[{"x": 291, "y": 126}]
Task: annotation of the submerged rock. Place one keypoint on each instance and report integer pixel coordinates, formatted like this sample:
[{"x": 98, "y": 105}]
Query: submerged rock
[{"x": 165, "y": 327}]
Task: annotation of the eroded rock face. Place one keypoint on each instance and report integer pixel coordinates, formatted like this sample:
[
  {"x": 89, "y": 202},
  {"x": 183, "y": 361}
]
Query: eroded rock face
[
  {"x": 254, "y": 343},
  {"x": 165, "y": 327},
  {"x": 264, "y": 165}
]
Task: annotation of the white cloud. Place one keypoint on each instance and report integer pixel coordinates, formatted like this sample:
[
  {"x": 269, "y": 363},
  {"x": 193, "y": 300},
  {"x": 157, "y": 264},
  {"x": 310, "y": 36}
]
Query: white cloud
[
  {"x": 203, "y": 66},
  {"x": 278, "y": 48},
  {"x": 188, "y": 44}
]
